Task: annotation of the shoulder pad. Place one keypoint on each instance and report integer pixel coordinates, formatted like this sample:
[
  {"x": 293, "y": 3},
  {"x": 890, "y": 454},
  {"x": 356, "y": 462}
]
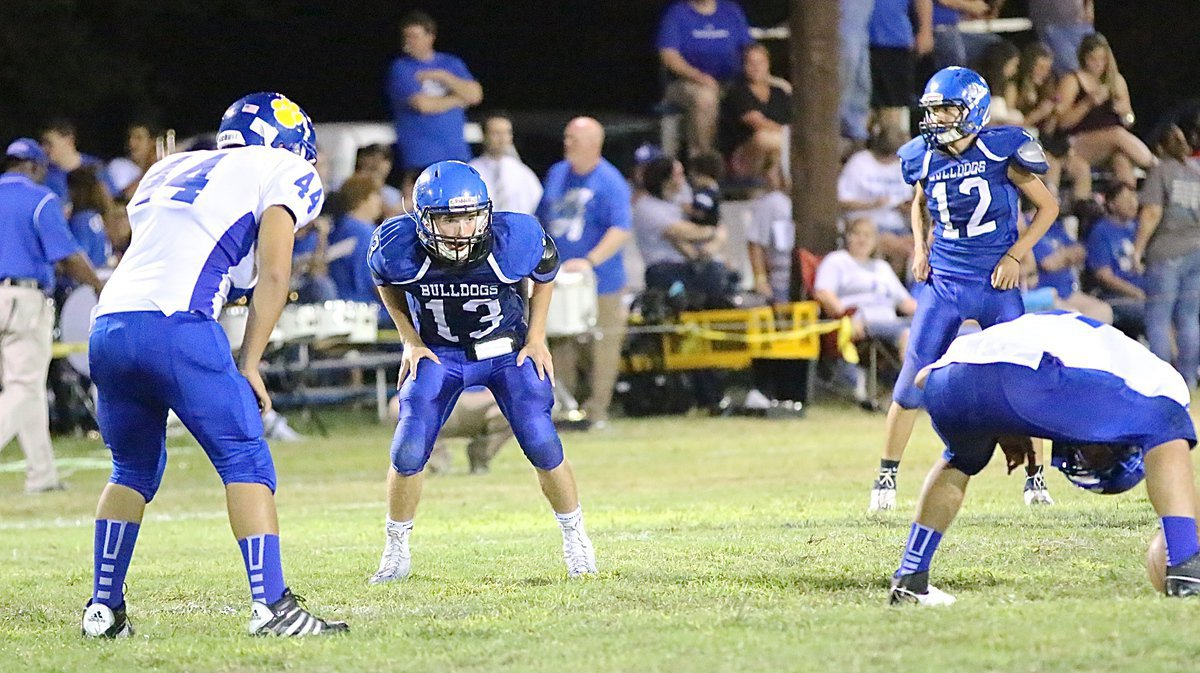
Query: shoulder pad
[
  {"x": 518, "y": 243},
  {"x": 394, "y": 255},
  {"x": 912, "y": 159}
]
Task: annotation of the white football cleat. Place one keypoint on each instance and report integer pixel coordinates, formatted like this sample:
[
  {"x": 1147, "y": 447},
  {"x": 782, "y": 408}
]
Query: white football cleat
[
  {"x": 917, "y": 590},
  {"x": 1036, "y": 492},
  {"x": 578, "y": 553},
  {"x": 396, "y": 562},
  {"x": 101, "y": 621}
]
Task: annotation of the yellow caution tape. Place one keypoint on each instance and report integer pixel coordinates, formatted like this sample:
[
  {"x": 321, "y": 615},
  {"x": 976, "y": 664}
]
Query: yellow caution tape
[{"x": 843, "y": 326}]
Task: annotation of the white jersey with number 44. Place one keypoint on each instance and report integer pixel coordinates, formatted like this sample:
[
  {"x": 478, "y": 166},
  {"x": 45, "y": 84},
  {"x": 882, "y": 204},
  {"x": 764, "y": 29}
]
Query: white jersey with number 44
[{"x": 195, "y": 219}]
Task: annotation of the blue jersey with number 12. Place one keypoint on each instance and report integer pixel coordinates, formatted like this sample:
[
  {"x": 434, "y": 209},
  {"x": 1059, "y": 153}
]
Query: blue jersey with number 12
[
  {"x": 452, "y": 306},
  {"x": 972, "y": 202}
]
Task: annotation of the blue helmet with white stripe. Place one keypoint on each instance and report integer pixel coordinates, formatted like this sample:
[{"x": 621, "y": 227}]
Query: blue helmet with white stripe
[
  {"x": 965, "y": 94},
  {"x": 454, "y": 213},
  {"x": 1100, "y": 468},
  {"x": 271, "y": 120}
]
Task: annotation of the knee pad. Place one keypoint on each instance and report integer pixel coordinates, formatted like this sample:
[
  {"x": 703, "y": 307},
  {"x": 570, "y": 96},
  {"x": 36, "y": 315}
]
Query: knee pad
[
  {"x": 142, "y": 475},
  {"x": 907, "y": 394},
  {"x": 250, "y": 465},
  {"x": 544, "y": 453}
]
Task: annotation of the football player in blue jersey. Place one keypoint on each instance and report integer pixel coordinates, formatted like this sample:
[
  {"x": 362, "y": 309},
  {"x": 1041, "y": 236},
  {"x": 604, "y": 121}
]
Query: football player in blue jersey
[
  {"x": 1114, "y": 412},
  {"x": 970, "y": 180},
  {"x": 451, "y": 275}
]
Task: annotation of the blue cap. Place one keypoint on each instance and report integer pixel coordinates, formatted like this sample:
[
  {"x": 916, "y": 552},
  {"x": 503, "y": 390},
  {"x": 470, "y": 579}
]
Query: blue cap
[{"x": 26, "y": 149}]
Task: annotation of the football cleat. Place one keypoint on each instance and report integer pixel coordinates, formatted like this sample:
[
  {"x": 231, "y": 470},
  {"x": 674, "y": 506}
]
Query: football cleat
[
  {"x": 915, "y": 589},
  {"x": 101, "y": 621},
  {"x": 286, "y": 617},
  {"x": 1036, "y": 492},
  {"x": 578, "y": 553},
  {"x": 396, "y": 562},
  {"x": 1184, "y": 579},
  {"x": 883, "y": 493}
]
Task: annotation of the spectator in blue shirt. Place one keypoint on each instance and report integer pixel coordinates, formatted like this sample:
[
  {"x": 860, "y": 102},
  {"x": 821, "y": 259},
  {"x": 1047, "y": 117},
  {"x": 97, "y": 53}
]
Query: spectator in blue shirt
[
  {"x": 1059, "y": 259},
  {"x": 35, "y": 237},
  {"x": 700, "y": 44},
  {"x": 58, "y": 141},
  {"x": 429, "y": 93},
  {"x": 949, "y": 43},
  {"x": 586, "y": 209},
  {"x": 90, "y": 204},
  {"x": 350, "y": 238},
  {"x": 895, "y": 45},
  {"x": 1111, "y": 263}
]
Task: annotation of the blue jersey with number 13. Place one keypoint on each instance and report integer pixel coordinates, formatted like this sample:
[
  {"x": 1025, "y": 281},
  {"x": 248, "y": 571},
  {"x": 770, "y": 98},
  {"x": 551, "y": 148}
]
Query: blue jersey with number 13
[{"x": 973, "y": 204}]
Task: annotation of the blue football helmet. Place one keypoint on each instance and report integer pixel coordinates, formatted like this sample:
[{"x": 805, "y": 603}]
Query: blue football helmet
[
  {"x": 271, "y": 120},
  {"x": 965, "y": 91},
  {"x": 454, "y": 213},
  {"x": 1100, "y": 468}
]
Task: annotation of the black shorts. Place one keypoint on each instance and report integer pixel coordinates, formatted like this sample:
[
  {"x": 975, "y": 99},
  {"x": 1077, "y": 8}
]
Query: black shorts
[{"x": 893, "y": 76}]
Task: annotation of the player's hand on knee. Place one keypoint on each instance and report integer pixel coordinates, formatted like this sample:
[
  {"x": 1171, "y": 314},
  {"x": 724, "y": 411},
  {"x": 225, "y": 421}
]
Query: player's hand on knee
[
  {"x": 539, "y": 353},
  {"x": 254, "y": 378},
  {"x": 411, "y": 358}
]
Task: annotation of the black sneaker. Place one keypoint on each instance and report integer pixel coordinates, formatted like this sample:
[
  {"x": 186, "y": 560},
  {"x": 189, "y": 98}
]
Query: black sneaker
[
  {"x": 287, "y": 617},
  {"x": 1184, "y": 579},
  {"x": 101, "y": 621},
  {"x": 916, "y": 589}
]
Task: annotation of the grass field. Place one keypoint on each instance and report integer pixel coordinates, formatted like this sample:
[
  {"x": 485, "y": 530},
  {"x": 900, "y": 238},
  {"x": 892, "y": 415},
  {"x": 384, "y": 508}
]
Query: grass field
[{"x": 723, "y": 545}]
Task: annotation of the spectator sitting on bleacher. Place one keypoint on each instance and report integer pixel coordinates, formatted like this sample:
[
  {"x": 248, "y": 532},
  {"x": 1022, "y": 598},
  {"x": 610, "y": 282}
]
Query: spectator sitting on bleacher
[
  {"x": 700, "y": 44},
  {"x": 126, "y": 172},
  {"x": 310, "y": 263},
  {"x": 704, "y": 177},
  {"x": 755, "y": 116},
  {"x": 854, "y": 279},
  {"x": 90, "y": 204},
  {"x": 429, "y": 92},
  {"x": 1110, "y": 261},
  {"x": 350, "y": 238},
  {"x": 999, "y": 67},
  {"x": 674, "y": 249},
  {"x": 872, "y": 186},
  {"x": 1035, "y": 96},
  {"x": 512, "y": 186},
  {"x": 1060, "y": 258},
  {"x": 771, "y": 239},
  {"x": 1094, "y": 109},
  {"x": 58, "y": 140},
  {"x": 376, "y": 162}
]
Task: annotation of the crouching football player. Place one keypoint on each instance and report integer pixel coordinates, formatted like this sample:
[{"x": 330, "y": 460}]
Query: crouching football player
[
  {"x": 451, "y": 275},
  {"x": 1113, "y": 411}
]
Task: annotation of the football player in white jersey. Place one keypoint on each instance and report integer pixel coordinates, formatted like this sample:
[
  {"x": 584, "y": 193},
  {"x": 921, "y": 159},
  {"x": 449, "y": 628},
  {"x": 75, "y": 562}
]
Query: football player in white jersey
[
  {"x": 1114, "y": 412},
  {"x": 203, "y": 223}
]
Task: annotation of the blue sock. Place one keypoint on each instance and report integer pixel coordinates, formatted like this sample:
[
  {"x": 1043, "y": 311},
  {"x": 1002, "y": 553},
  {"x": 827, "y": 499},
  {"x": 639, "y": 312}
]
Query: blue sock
[
  {"x": 263, "y": 567},
  {"x": 111, "y": 553},
  {"x": 1180, "y": 532},
  {"x": 918, "y": 552}
]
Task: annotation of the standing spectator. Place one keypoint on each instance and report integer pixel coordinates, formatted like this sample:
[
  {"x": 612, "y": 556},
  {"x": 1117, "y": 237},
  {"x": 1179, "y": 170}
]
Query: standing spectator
[
  {"x": 1059, "y": 260},
  {"x": 512, "y": 185},
  {"x": 429, "y": 92},
  {"x": 895, "y": 46},
  {"x": 1094, "y": 109},
  {"x": 754, "y": 116},
  {"x": 871, "y": 185},
  {"x": 854, "y": 67},
  {"x": 350, "y": 238},
  {"x": 586, "y": 209},
  {"x": 126, "y": 172},
  {"x": 1168, "y": 239},
  {"x": 90, "y": 204},
  {"x": 36, "y": 237},
  {"x": 1110, "y": 260},
  {"x": 1062, "y": 24},
  {"x": 376, "y": 161},
  {"x": 700, "y": 44},
  {"x": 59, "y": 142},
  {"x": 949, "y": 47}
]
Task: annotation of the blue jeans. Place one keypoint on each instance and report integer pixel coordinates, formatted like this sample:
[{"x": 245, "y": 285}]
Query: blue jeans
[
  {"x": 1063, "y": 40},
  {"x": 855, "y": 68},
  {"x": 1173, "y": 299}
]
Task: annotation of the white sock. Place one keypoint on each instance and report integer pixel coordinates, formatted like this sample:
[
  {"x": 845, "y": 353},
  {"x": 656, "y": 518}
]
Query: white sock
[
  {"x": 570, "y": 519},
  {"x": 399, "y": 528}
]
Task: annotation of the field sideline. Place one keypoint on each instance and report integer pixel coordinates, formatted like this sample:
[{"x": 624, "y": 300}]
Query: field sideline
[{"x": 723, "y": 545}]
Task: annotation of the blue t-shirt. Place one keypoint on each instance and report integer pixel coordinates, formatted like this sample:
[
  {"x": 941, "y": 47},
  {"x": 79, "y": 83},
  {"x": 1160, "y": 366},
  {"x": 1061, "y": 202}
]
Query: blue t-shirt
[
  {"x": 1110, "y": 245},
  {"x": 452, "y": 306},
  {"x": 87, "y": 226},
  {"x": 350, "y": 272},
  {"x": 56, "y": 178},
  {"x": 577, "y": 210},
  {"x": 891, "y": 25},
  {"x": 943, "y": 15},
  {"x": 972, "y": 203},
  {"x": 712, "y": 44},
  {"x": 1065, "y": 280},
  {"x": 33, "y": 231},
  {"x": 425, "y": 139}
]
